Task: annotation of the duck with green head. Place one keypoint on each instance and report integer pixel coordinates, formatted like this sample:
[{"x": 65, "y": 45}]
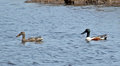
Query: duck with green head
[{"x": 88, "y": 38}]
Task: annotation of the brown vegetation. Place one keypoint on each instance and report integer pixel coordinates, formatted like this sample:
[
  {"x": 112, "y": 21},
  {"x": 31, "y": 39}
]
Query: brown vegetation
[{"x": 78, "y": 2}]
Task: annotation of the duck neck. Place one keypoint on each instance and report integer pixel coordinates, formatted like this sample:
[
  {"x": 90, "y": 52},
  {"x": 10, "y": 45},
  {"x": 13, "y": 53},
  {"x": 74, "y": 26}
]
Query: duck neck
[
  {"x": 88, "y": 34},
  {"x": 23, "y": 36}
]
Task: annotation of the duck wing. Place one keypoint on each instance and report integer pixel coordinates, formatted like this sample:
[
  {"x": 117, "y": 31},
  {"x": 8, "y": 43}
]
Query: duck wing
[
  {"x": 35, "y": 39},
  {"x": 103, "y": 36},
  {"x": 38, "y": 38},
  {"x": 31, "y": 39}
]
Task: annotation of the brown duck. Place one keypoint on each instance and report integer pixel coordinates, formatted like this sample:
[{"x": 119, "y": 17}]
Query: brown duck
[{"x": 32, "y": 39}]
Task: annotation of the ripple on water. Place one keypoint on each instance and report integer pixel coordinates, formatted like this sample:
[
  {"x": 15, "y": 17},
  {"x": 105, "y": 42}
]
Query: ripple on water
[{"x": 63, "y": 45}]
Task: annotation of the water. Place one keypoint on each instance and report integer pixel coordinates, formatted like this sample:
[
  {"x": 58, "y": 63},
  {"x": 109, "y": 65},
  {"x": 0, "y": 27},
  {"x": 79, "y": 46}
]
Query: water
[{"x": 60, "y": 26}]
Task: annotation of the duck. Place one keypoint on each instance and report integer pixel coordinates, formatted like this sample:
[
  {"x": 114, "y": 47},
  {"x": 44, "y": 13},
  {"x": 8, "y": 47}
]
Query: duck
[
  {"x": 88, "y": 38},
  {"x": 32, "y": 39}
]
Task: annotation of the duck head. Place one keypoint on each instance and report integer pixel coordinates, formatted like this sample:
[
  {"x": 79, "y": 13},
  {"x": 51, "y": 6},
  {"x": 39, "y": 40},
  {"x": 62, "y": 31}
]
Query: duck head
[
  {"x": 86, "y": 31},
  {"x": 21, "y": 33}
]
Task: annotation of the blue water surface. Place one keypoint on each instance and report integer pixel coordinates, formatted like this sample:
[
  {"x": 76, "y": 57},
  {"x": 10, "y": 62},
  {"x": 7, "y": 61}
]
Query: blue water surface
[{"x": 61, "y": 27}]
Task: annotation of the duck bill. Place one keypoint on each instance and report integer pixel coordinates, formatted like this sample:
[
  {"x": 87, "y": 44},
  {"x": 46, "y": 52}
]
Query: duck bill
[
  {"x": 18, "y": 35},
  {"x": 83, "y": 32}
]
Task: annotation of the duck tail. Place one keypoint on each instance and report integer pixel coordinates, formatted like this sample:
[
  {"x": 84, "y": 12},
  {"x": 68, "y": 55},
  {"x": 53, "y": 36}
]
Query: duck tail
[{"x": 105, "y": 37}]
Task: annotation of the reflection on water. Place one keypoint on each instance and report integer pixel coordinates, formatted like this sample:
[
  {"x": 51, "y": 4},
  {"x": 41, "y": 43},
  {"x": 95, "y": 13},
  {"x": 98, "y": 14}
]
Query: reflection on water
[{"x": 61, "y": 27}]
